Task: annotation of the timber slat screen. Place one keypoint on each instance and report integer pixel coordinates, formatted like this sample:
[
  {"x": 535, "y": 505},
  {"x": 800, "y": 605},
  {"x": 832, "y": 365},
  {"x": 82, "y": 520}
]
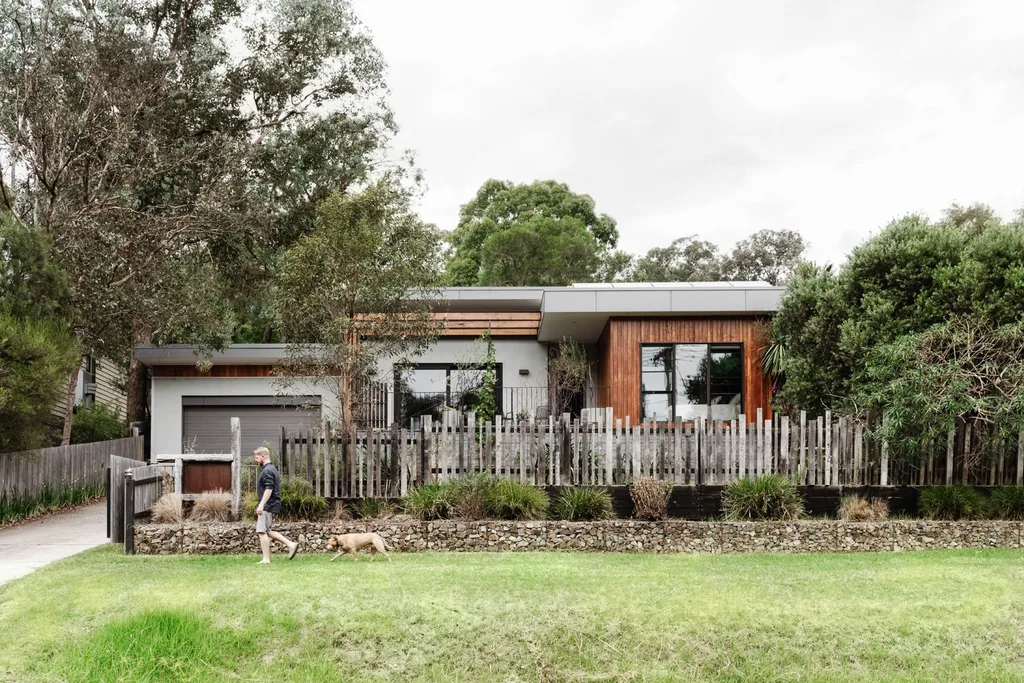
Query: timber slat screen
[
  {"x": 61, "y": 467},
  {"x": 598, "y": 449}
]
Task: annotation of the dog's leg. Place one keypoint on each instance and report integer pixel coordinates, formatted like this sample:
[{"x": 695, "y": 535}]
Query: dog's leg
[
  {"x": 340, "y": 553},
  {"x": 355, "y": 554},
  {"x": 381, "y": 548}
]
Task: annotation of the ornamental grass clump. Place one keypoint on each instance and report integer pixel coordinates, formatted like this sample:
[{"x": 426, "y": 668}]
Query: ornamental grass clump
[
  {"x": 211, "y": 506},
  {"x": 168, "y": 509},
  {"x": 513, "y": 500},
  {"x": 1007, "y": 502},
  {"x": 951, "y": 503},
  {"x": 768, "y": 497},
  {"x": 860, "y": 509},
  {"x": 579, "y": 504},
  {"x": 430, "y": 501},
  {"x": 373, "y": 508}
]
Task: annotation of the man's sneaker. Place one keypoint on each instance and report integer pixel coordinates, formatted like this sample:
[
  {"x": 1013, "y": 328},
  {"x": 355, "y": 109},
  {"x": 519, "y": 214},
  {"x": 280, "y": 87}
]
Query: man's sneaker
[{"x": 294, "y": 548}]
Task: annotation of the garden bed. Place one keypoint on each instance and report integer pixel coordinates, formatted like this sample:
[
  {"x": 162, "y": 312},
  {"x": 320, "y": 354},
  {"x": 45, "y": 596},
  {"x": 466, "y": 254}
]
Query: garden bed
[{"x": 670, "y": 536}]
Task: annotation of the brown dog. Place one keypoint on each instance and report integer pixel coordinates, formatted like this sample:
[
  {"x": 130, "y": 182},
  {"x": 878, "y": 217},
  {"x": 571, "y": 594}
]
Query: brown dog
[{"x": 353, "y": 543}]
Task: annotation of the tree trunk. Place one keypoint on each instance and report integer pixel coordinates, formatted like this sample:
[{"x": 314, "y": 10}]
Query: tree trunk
[
  {"x": 138, "y": 376},
  {"x": 69, "y": 404}
]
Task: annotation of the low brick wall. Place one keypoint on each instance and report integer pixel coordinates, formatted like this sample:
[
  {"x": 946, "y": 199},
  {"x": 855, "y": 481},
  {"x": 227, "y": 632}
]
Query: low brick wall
[{"x": 673, "y": 536}]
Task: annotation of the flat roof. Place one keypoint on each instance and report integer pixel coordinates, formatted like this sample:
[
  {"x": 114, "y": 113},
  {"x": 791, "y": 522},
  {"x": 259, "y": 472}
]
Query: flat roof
[{"x": 579, "y": 311}]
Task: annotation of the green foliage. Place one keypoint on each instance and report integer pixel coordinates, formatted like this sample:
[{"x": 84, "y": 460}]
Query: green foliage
[
  {"x": 540, "y": 251},
  {"x": 344, "y": 292},
  {"x": 1007, "y": 502},
  {"x": 373, "y": 508},
  {"x": 536, "y": 234},
  {"x": 768, "y": 255},
  {"x": 516, "y": 501},
  {"x": 97, "y": 423},
  {"x": 430, "y": 501},
  {"x": 950, "y": 502},
  {"x": 686, "y": 259},
  {"x": 580, "y": 504},
  {"x": 471, "y": 496},
  {"x": 768, "y": 497},
  {"x": 15, "y": 507},
  {"x": 35, "y": 361},
  {"x": 485, "y": 399},
  {"x": 32, "y": 285},
  {"x": 299, "y": 500},
  {"x": 950, "y": 291}
]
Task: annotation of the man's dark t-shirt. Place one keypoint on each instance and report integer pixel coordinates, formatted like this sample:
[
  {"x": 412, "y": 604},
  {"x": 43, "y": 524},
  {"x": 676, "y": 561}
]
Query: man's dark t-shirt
[{"x": 270, "y": 479}]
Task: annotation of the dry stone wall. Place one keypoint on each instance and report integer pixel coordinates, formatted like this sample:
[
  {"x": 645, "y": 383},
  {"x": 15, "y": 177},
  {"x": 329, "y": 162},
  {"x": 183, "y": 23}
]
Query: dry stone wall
[{"x": 672, "y": 536}]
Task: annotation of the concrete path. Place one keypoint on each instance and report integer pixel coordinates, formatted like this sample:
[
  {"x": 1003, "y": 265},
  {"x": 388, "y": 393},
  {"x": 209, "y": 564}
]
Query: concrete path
[{"x": 32, "y": 545}]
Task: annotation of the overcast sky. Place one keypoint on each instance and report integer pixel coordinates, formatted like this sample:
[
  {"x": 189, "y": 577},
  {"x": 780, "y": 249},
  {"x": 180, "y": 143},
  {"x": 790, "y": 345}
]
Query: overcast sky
[{"x": 715, "y": 119}]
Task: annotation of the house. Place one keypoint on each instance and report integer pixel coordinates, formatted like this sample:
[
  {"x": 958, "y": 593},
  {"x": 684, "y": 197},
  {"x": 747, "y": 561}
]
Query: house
[
  {"x": 657, "y": 351},
  {"x": 100, "y": 382}
]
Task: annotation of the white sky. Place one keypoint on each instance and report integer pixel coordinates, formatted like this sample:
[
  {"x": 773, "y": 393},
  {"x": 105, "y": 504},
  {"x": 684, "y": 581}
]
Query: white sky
[{"x": 716, "y": 119}]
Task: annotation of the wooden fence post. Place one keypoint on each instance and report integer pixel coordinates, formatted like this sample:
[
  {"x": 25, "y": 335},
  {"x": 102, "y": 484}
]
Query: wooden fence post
[
  {"x": 129, "y": 513},
  {"x": 1020, "y": 458},
  {"x": 236, "y": 465}
]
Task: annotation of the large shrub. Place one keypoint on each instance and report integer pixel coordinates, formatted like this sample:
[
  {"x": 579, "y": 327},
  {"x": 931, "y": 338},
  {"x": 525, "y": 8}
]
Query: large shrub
[
  {"x": 1007, "y": 502},
  {"x": 471, "y": 496},
  {"x": 769, "y": 497},
  {"x": 650, "y": 498},
  {"x": 36, "y": 359},
  {"x": 97, "y": 423},
  {"x": 920, "y": 326},
  {"x": 578, "y": 504},
  {"x": 951, "y": 502}
]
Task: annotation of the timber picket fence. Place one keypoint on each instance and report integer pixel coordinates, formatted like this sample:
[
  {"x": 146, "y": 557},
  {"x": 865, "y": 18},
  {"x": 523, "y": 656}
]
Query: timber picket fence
[
  {"x": 61, "y": 467},
  {"x": 599, "y": 449}
]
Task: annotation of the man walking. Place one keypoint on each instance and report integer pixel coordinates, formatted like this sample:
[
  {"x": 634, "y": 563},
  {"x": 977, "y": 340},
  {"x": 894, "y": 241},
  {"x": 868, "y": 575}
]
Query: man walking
[{"x": 268, "y": 488}]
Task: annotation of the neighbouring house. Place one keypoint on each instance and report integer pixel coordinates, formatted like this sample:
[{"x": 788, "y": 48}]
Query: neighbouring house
[
  {"x": 100, "y": 382},
  {"x": 657, "y": 351}
]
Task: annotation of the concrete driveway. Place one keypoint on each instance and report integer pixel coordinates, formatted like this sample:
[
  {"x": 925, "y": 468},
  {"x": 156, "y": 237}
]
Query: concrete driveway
[{"x": 35, "y": 544}]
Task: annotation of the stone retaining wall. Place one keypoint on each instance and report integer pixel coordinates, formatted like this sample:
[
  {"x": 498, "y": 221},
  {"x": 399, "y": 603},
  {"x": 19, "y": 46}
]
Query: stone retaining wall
[{"x": 672, "y": 536}]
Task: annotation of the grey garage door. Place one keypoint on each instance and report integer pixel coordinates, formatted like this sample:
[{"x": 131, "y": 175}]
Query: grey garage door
[{"x": 207, "y": 429}]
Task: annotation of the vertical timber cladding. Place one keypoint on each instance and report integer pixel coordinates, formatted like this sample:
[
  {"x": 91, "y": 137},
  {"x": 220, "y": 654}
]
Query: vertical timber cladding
[{"x": 619, "y": 356}]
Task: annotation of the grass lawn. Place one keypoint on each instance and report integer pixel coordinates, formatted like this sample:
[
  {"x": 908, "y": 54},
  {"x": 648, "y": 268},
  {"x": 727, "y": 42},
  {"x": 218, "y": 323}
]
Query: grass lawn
[{"x": 101, "y": 616}]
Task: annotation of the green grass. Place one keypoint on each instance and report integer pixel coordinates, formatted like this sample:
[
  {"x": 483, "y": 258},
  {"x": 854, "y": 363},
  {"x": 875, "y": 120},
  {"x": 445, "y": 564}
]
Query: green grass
[{"x": 949, "y": 615}]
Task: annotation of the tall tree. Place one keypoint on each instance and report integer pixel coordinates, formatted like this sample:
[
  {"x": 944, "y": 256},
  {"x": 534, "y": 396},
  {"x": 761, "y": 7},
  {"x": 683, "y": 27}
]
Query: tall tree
[
  {"x": 358, "y": 289},
  {"x": 545, "y": 214},
  {"x": 166, "y": 146},
  {"x": 768, "y": 255},
  {"x": 686, "y": 259}
]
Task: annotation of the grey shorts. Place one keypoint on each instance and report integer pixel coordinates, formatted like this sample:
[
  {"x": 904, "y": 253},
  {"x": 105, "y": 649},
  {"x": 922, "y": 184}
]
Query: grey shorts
[{"x": 264, "y": 522}]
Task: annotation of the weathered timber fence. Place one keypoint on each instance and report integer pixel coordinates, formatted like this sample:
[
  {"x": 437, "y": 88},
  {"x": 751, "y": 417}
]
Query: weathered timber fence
[
  {"x": 61, "y": 467},
  {"x": 115, "y": 495},
  {"x": 142, "y": 487},
  {"x": 601, "y": 450}
]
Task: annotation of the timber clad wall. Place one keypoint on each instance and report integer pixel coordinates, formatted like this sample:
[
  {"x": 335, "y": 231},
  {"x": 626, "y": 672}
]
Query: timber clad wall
[
  {"x": 215, "y": 371},
  {"x": 499, "y": 324},
  {"x": 109, "y": 390},
  {"x": 619, "y": 356}
]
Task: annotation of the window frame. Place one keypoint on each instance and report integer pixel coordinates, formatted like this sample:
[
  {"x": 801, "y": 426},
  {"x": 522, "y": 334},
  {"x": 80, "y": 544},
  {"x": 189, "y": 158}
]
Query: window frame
[
  {"x": 709, "y": 348},
  {"x": 449, "y": 369}
]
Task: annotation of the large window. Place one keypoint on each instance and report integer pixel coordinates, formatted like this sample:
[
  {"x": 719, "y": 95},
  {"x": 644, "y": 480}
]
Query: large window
[
  {"x": 429, "y": 388},
  {"x": 683, "y": 380}
]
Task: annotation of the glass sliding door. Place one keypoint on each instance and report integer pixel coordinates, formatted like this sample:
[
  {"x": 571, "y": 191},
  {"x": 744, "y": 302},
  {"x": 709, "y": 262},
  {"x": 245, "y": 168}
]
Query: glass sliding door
[
  {"x": 726, "y": 384},
  {"x": 691, "y": 395},
  {"x": 656, "y": 382}
]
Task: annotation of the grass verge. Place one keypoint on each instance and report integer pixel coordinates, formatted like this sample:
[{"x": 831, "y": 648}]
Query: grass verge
[{"x": 940, "y": 615}]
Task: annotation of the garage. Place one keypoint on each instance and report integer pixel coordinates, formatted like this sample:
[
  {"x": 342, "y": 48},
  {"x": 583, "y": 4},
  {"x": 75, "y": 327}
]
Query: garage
[{"x": 206, "y": 420}]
